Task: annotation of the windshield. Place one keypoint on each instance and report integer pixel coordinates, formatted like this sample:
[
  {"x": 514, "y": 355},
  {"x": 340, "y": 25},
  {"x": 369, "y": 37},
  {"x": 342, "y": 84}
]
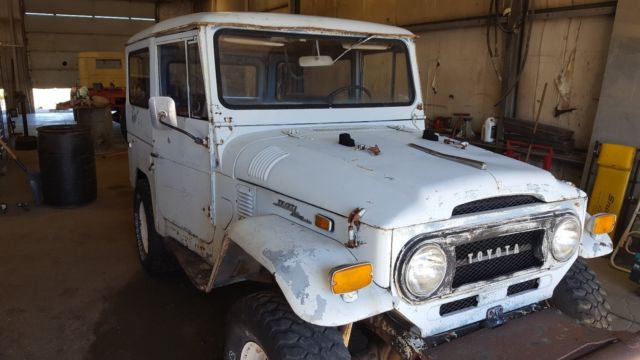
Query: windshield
[{"x": 279, "y": 70}]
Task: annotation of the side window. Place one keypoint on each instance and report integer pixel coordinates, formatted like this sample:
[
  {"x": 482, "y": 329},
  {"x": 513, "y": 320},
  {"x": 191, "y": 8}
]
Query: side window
[
  {"x": 139, "y": 78},
  {"x": 181, "y": 78},
  {"x": 173, "y": 75},
  {"x": 197, "y": 95}
]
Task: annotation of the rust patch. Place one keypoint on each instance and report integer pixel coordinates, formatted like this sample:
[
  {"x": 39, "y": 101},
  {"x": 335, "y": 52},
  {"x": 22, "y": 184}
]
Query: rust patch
[
  {"x": 354, "y": 227},
  {"x": 311, "y": 29}
]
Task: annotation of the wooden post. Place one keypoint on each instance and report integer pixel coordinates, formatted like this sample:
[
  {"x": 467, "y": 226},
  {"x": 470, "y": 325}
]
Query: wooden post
[{"x": 535, "y": 126}]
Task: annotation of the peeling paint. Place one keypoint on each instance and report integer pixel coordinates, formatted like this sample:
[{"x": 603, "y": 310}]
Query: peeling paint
[
  {"x": 320, "y": 309},
  {"x": 301, "y": 269}
]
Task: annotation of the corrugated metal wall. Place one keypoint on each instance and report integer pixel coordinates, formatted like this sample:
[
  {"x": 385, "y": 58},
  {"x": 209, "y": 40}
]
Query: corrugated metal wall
[
  {"x": 281, "y": 6},
  {"x": 465, "y": 78},
  {"x": 78, "y": 25},
  {"x": 14, "y": 75}
]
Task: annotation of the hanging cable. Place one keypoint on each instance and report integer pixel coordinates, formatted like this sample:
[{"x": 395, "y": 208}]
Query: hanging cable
[{"x": 525, "y": 54}]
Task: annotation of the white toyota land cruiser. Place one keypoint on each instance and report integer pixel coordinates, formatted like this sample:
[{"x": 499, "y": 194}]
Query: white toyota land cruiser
[{"x": 290, "y": 149}]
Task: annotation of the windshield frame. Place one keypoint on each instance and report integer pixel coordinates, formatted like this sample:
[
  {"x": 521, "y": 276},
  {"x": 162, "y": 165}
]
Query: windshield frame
[{"x": 413, "y": 92}]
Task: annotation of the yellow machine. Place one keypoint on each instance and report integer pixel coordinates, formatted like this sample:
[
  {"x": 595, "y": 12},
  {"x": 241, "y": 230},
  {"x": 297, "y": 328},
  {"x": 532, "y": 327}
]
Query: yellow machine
[
  {"x": 101, "y": 67},
  {"x": 614, "y": 169}
]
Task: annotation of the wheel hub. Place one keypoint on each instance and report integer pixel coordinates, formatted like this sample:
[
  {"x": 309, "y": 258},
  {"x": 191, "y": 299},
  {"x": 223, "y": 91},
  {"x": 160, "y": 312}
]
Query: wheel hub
[{"x": 253, "y": 351}]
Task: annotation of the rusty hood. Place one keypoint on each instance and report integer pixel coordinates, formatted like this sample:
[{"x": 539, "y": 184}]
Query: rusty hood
[{"x": 402, "y": 186}]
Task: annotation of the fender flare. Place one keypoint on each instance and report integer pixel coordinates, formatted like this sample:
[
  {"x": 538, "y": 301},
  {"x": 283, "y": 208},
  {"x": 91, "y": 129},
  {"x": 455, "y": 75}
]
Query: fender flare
[
  {"x": 300, "y": 260},
  {"x": 592, "y": 246}
]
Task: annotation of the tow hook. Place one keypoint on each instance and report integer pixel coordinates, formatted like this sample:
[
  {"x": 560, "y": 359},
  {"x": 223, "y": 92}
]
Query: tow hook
[{"x": 495, "y": 317}]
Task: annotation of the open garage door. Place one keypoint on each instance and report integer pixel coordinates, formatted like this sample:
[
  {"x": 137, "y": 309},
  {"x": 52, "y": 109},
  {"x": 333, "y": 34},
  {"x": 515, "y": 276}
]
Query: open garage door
[{"x": 57, "y": 31}]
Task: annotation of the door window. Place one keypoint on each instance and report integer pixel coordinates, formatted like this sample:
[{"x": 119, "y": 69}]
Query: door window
[
  {"x": 181, "y": 78},
  {"x": 139, "y": 78},
  {"x": 173, "y": 75}
]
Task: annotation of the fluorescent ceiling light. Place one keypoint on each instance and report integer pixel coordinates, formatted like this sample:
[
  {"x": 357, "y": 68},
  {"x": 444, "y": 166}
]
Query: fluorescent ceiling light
[
  {"x": 142, "y": 19},
  {"x": 111, "y": 17},
  {"x": 346, "y": 45},
  {"x": 39, "y": 14},
  {"x": 75, "y": 16}
]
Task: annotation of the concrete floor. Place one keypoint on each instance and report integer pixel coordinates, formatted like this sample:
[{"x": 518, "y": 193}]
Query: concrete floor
[{"x": 71, "y": 286}]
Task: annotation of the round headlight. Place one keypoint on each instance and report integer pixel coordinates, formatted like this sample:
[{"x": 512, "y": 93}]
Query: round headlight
[
  {"x": 425, "y": 270},
  {"x": 566, "y": 238}
]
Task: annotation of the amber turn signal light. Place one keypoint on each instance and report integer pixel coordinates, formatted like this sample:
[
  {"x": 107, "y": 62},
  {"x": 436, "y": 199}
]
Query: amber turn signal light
[
  {"x": 348, "y": 278},
  {"x": 324, "y": 223},
  {"x": 602, "y": 223}
]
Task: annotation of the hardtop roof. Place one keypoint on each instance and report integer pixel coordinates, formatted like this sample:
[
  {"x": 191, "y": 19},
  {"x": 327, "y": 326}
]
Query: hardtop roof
[{"x": 273, "y": 21}]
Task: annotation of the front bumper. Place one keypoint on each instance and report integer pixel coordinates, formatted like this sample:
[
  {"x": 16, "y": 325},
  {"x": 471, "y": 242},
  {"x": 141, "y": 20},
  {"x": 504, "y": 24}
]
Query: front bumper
[
  {"x": 428, "y": 320},
  {"x": 547, "y": 334},
  {"x": 530, "y": 333},
  {"x": 427, "y": 316}
]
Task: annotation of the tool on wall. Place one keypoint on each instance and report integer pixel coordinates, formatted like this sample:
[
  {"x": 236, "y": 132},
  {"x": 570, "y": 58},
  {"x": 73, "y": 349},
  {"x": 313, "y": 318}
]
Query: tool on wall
[
  {"x": 626, "y": 240},
  {"x": 557, "y": 111},
  {"x": 535, "y": 126},
  {"x": 34, "y": 178}
]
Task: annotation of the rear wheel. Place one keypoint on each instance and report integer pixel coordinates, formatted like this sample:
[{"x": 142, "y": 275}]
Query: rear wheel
[
  {"x": 580, "y": 296},
  {"x": 262, "y": 326},
  {"x": 154, "y": 257}
]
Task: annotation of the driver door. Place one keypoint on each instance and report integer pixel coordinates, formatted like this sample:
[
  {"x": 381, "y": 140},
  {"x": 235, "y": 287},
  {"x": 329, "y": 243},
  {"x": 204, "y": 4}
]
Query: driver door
[{"x": 182, "y": 168}]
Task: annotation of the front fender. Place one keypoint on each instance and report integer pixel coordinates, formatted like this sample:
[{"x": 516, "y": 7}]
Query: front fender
[
  {"x": 594, "y": 245},
  {"x": 301, "y": 260}
]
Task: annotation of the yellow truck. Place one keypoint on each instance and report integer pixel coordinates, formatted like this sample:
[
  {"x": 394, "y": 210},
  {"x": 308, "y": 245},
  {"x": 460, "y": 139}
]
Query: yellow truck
[
  {"x": 101, "y": 67},
  {"x": 103, "y": 73}
]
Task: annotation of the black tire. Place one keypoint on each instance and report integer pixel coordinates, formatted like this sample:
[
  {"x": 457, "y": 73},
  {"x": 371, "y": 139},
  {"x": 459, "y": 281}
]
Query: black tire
[
  {"x": 580, "y": 296},
  {"x": 118, "y": 117},
  {"x": 266, "y": 319},
  {"x": 155, "y": 259}
]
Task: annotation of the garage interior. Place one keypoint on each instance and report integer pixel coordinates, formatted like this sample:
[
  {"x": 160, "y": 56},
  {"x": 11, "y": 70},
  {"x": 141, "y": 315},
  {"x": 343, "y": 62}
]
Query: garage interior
[{"x": 557, "y": 78}]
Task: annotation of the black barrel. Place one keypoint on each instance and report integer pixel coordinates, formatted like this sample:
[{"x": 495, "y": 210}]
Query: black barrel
[{"x": 67, "y": 165}]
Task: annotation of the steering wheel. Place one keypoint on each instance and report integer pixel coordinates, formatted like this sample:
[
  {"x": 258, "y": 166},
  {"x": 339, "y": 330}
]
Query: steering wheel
[{"x": 337, "y": 91}]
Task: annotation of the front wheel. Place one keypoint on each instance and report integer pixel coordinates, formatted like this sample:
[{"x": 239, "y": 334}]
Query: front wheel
[
  {"x": 580, "y": 296},
  {"x": 262, "y": 326}
]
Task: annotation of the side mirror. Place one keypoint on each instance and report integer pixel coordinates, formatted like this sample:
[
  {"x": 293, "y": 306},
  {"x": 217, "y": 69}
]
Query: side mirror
[{"x": 163, "y": 112}]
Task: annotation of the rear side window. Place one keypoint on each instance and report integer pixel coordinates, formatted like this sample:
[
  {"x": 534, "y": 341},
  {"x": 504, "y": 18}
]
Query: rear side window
[{"x": 139, "y": 87}]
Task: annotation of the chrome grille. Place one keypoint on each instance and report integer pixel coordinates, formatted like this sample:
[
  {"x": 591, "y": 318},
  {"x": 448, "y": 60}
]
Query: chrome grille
[{"x": 490, "y": 258}]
